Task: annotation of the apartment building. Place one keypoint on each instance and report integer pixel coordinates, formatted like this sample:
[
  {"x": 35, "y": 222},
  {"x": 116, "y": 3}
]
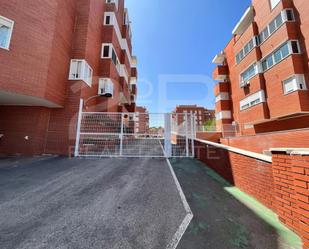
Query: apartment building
[
  {"x": 142, "y": 120},
  {"x": 52, "y": 55},
  {"x": 202, "y": 115},
  {"x": 262, "y": 76}
]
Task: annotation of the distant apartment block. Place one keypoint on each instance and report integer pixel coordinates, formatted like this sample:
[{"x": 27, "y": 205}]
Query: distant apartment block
[
  {"x": 142, "y": 120},
  {"x": 202, "y": 115},
  {"x": 52, "y": 55},
  {"x": 262, "y": 74}
]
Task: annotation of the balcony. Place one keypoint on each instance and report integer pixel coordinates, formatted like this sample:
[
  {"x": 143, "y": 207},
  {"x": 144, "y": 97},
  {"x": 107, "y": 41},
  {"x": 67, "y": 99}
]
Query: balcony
[
  {"x": 221, "y": 73},
  {"x": 134, "y": 89},
  {"x": 244, "y": 22},
  {"x": 221, "y": 87},
  {"x": 219, "y": 58},
  {"x": 134, "y": 61},
  {"x": 112, "y": 6},
  {"x": 223, "y": 115},
  {"x": 122, "y": 71},
  {"x": 223, "y": 105}
]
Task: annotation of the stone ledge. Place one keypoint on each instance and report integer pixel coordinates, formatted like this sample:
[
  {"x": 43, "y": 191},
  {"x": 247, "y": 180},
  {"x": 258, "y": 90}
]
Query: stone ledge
[
  {"x": 238, "y": 151},
  {"x": 292, "y": 151}
]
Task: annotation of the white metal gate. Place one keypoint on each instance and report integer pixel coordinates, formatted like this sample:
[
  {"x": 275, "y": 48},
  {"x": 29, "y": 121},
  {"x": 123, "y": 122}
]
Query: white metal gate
[{"x": 135, "y": 135}]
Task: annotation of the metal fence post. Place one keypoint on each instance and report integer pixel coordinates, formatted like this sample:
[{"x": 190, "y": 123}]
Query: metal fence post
[
  {"x": 167, "y": 134},
  {"x": 187, "y": 136},
  {"x": 121, "y": 134},
  {"x": 193, "y": 133},
  {"x": 79, "y": 121}
]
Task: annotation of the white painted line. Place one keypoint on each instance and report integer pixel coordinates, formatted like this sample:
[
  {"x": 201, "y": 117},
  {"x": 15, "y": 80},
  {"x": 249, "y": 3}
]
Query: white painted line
[{"x": 189, "y": 215}]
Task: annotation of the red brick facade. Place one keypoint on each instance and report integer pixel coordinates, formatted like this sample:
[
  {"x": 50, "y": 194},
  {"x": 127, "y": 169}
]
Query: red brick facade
[
  {"x": 281, "y": 184},
  {"x": 260, "y": 102},
  {"x": 202, "y": 114},
  {"x": 142, "y": 120},
  {"x": 35, "y": 93}
]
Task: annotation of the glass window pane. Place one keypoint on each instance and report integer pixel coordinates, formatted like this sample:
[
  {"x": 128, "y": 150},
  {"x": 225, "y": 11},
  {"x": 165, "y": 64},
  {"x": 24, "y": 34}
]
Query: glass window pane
[
  {"x": 279, "y": 20},
  {"x": 106, "y": 51},
  {"x": 289, "y": 15},
  {"x": 295, "y": 48},
  {"x": 246, "y": 50},
  {"x": 289, "y": 85},
  {"x": 270, "y": 61},
  {"x": 277, "y": 56},
  {"x": 285, "y": 51},
  {"x": 4, "y": 36},
  {"x": 272, "y": 27},
  {"x": 264, "y": 65},
  {"x": 114, "y": 57}
]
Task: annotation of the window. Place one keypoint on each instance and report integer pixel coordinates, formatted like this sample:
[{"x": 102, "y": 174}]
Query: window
[
  {"x": 252, "y": 100},
  {"x": 80, "y": 70},
  {"x": 246, "y": 50},
  {"x": 295, "y": 47},
  {"x": 6, "y": 29},
  {"x": 106, "y": 49},
  {"x": 294, "y": 83},
  {"x": 289, "y": 15},
  {"x": 272, "y": 27},
  {"x": 249, "y": 73},
  {"x": 275, "y": 24},
  {"x": 108, "y": 52},
  {"x": 108, "y": 19},
  {"x": 274, "y": 3},
  {"x": 288, "y": 48},
  {"x": 279, "y": 20}
]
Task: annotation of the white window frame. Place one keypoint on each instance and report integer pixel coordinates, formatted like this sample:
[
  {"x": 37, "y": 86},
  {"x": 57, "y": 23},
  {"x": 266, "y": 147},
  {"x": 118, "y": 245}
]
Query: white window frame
[
  {"x": 257, "y": 69},
  {"x": 112, "y": 18},
  {"x": 10, "y": 24},
  {"x": 82, "y": 75},
  {"x": 110, "y": 53},
  {"x": 274, "y": 3},
  {"x": 255, "y": 43},
  {"x": 284, "y": 20},
  {"x": 111, "y": 47},
  {"x": 298, "y": 81},
  {"x": 116, "y": 2},
  {"x": 289, "y": 42},
  {"x": 248, "y": 102}
]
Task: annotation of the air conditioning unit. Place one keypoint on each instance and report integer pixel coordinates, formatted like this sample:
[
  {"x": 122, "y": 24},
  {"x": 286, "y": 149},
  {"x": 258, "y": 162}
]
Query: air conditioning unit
[
  {"x": 244, "y": 84},
  {"x": 106, "y": 87}
]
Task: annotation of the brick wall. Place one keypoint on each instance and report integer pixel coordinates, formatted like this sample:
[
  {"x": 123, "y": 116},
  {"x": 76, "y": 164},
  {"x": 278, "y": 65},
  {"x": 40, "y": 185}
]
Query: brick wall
[
  {"x": 248, "y": 174},
  {"x": 282, "y": 185},
  {"x": 24, "y": 130},
  {"x": 261, "y": 142},
  {"x": 291, "y": 181}
]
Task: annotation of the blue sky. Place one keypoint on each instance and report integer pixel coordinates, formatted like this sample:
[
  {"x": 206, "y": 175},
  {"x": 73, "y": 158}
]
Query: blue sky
[{"x": 175, "y": 42}]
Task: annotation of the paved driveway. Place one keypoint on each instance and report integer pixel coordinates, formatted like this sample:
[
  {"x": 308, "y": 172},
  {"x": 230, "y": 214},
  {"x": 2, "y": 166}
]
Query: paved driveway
[{"x": 71, "y": 203}]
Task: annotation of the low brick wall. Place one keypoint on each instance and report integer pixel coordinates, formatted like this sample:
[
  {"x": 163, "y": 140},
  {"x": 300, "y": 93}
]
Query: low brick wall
[
  {"x": 280, "y": 182},
  {"x": 249, "y": 174},
  {"x": 291, "y": 181},
  {"x": 260, "y": 142},
  {"x": 209, "y": 136}
]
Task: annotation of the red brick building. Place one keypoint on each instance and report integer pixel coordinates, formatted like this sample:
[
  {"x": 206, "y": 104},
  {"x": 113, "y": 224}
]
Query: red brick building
[
  {"x": 52, "y": 55},
  {"x": 202, "y": 114},
  {"x": 142, "y": 120},
  {"x": 263, "y": 75}
]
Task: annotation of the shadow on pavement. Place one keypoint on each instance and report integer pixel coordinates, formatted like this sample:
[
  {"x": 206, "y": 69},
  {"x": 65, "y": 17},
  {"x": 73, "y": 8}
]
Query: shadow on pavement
[{"x": 225, "y": 217}]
